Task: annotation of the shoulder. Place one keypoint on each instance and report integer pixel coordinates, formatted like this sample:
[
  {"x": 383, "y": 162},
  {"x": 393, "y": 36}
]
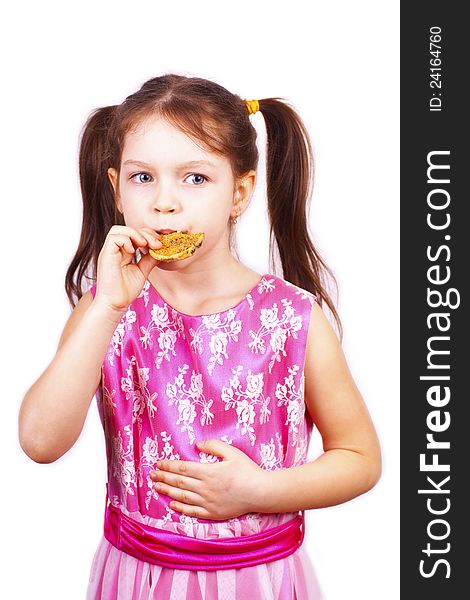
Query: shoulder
[
  {"x": 320, "y": 332},
  {"x": 281, "y": 288}
]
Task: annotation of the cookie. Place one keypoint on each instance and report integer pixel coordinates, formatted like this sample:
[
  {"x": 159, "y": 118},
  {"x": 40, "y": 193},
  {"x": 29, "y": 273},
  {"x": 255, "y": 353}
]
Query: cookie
[{"x": 177, "y": 246}]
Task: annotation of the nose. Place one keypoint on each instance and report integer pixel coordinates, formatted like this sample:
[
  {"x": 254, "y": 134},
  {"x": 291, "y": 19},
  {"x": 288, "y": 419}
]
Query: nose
[
  {"x": 165, "y": 202},
  {"x": 164, "y": 208}
]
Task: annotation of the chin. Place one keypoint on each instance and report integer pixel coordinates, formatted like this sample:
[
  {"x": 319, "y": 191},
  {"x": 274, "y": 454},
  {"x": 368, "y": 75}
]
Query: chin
[{"x": 174, "y": 265}]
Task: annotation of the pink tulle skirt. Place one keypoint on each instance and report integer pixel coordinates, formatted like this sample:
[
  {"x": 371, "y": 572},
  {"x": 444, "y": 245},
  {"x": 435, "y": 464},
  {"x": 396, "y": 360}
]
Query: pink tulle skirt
[{"x": 116, "y": 575}]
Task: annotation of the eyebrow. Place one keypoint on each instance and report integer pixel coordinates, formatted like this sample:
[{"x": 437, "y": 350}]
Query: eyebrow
[{"x": 191, "y": 163}]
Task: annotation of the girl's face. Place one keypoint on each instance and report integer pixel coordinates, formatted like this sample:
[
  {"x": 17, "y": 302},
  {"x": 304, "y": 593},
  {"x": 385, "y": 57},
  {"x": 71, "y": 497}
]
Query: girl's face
[{"x": 167, "y": 182}]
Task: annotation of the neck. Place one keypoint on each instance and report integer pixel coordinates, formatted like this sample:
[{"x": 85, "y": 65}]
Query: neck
[{"x": 197, "y": 279}]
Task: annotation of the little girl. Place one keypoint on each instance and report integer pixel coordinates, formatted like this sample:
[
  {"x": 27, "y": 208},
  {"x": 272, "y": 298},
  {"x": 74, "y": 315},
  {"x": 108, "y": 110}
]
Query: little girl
[{"x": 208, "y": 375}]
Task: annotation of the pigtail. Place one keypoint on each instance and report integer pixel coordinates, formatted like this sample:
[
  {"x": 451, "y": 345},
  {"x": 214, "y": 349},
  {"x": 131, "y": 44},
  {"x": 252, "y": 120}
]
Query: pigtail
[
  {"x": 207, "y": 112},
  {"x": 290, "y": 168},
  {"x": 99, "y": 209}
]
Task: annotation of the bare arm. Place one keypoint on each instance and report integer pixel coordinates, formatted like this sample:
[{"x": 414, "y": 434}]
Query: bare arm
[
  {"x": 351, "y": 462},
  {"x": 54, "y": 409}
]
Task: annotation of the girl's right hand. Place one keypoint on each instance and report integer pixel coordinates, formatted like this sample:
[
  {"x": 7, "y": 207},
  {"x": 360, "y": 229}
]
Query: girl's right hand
[{"x": 118, "y": 280}]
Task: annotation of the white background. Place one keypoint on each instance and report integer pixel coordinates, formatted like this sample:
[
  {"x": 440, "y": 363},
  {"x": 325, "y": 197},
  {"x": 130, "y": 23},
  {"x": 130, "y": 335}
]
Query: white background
[{"x": 337, "y": 63}]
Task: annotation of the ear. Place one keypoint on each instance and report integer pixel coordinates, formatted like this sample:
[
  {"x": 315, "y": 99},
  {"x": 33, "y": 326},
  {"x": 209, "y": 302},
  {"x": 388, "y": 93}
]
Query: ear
[
  {"x": 113, "y": 178},
  {"x": 244, "y": 188}
]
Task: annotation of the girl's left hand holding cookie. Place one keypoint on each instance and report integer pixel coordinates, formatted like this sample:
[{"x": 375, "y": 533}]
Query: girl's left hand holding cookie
[{"x": 217, "y": 491}]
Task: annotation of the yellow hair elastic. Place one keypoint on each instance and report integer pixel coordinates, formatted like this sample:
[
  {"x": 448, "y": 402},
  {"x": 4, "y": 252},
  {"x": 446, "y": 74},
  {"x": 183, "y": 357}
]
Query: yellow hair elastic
[{"x": 252, "y": 106}]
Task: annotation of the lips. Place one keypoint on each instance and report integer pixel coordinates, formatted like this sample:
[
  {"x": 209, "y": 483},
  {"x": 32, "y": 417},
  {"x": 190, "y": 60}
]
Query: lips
[{"x": 162, "y": 231}]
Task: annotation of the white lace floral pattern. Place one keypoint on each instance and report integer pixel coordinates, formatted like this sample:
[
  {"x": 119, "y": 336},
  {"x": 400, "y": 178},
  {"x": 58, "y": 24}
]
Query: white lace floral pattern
[
  {"x": 293, "y": 398},
  {"x": 278, "y": 328},
  {"x": 169, "y": 328},
  {"x": 221, "y": 330},
  {"x": 171, "y": 379},
  {"x": 187, "y": 398},
  {"x": 119, "y": 333},
  {"x": 245, "y": 400},
  {"x": 135, "y": 388}
]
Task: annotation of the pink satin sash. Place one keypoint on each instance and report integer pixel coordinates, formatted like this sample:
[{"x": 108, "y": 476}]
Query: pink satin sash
[{"x": 169, "y": 549}]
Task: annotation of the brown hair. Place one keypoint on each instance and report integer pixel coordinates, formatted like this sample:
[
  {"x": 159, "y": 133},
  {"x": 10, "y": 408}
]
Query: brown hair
[{"x": 219, "y": 120}]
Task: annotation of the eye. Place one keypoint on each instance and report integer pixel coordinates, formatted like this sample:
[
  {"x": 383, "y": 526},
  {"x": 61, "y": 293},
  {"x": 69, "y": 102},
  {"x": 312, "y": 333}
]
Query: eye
[
  {"x": 199, "y": 177},
  {"x": 139, "y": 175}
]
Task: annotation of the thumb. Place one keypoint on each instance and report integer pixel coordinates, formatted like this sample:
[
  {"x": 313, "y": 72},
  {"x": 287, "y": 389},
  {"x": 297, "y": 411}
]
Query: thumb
[
  {"x": 146, "y": 264},
  {"x": 215, "y": 447}
]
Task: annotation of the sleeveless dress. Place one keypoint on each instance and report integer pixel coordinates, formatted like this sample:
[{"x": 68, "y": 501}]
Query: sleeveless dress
[{"x": 170, "y": 380}]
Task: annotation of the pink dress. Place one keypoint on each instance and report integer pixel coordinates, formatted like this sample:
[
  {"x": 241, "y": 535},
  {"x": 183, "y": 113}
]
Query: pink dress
[{"x": 170, "y": 380}]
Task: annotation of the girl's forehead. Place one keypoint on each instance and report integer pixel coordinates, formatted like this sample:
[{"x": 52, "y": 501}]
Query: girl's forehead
[
  {"x": 158, "y": 139},
  {"x": 154, "y": 129}
]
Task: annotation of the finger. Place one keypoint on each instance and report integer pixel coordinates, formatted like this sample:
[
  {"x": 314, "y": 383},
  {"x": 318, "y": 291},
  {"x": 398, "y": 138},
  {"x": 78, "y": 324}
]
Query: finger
[
  {"x": 216, "y": 447},
  {"x": 121, "y": 242},
  {"x": 129, "y": 232},
  {"x": 191, "y": 510},
  {"x": 153, "y": 239},
  {"x": 182, "y": 467},
  {"x": 151, "y": 231},
  {"x": 184, "y": 496},
  {"x": 177, "y": 481},
  {"x": 123, "y": 230},
  {"x": 146, "y": 264}
]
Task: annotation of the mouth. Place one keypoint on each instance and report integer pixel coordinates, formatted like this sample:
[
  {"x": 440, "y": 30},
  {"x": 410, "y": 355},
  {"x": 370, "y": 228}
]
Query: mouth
[{"x": 162, "y": 231}]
